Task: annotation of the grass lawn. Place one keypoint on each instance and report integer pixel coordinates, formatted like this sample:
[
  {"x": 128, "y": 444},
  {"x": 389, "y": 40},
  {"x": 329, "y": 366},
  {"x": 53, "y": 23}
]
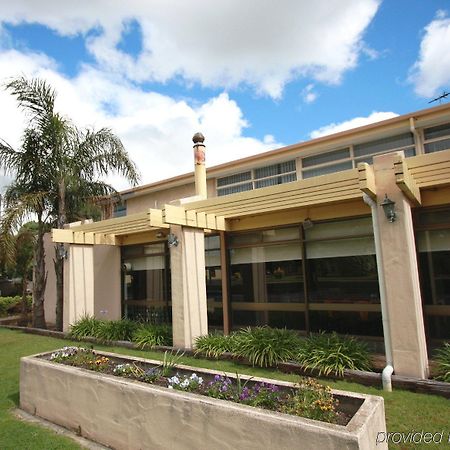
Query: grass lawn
[{"x": 405, "y": 411}]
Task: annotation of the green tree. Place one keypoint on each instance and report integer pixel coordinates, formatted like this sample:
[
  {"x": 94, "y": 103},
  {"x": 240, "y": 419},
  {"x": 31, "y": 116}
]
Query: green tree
[{"x": 58, "y": 171}]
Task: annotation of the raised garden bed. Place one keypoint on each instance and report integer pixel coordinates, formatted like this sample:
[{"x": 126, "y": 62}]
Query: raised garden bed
[{"x": 124, "y": 413}]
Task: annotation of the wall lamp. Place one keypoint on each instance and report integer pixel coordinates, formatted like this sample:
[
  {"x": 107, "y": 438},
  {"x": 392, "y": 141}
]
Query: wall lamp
[
  {"x": 307, "y": 223},
  {"x": 389, "y": 208},
  {"x": 172, "y": 240}
]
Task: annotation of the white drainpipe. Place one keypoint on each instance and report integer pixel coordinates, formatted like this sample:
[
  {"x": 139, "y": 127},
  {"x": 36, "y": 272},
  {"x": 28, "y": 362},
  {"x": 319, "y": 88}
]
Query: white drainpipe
[{"x": 389, "y": 369}]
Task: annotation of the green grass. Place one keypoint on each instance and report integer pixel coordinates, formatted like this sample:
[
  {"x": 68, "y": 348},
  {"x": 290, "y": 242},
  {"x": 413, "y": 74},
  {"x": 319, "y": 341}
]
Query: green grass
[{"x": 405, "y": 411}]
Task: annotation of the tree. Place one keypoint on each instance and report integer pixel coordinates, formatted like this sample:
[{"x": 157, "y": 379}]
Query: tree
[{"x": 58, "y": 169}]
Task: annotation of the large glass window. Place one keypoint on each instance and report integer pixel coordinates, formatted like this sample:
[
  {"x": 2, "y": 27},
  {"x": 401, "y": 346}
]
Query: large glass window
[
  {"x": 325, "y": 276},
  {"x": 433, "y": 247},
  {"x": 342, "y": 278},
  {"x": 266, "y": 278},
  {"x": 146, "y": 283},
  {"x": 213, "y": 275}
]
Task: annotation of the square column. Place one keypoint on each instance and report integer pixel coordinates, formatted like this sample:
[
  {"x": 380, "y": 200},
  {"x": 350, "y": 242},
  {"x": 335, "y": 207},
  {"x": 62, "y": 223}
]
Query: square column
[
  {"x": 91, "y": 283},
  {"x": 399, "y": 267},
  {"x": 189, "y": 307}
]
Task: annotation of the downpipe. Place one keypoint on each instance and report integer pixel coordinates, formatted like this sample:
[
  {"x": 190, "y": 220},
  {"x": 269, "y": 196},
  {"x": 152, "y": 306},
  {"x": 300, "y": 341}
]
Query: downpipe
[{"x": 386, "y": 375}]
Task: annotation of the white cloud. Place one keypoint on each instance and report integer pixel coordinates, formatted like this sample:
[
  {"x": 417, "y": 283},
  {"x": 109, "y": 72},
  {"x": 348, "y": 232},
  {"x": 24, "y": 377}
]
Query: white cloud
[
  {"x": 156, "y": 129},
  {"x": 431, "y": 71},
  {"x": 261, "y": 43},
  {"x": 352, "y": 123},
  {"x": 308, "y": 94}
]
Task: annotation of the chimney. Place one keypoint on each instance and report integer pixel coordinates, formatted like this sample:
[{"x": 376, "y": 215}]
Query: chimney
[{"x": 200, "y": 169}]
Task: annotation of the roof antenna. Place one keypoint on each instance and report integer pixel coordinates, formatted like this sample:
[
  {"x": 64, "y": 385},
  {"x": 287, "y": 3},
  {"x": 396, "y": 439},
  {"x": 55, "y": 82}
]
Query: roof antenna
[{"x": 444, "y": 95}]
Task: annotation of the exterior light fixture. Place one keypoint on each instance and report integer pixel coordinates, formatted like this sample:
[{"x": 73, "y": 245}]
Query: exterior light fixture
[
  {"x": 63, "y": 253},
  {"x": 307, "y": 223},
  {"x": 389, "y": 208},
  {"x": 172, "y": 240}
]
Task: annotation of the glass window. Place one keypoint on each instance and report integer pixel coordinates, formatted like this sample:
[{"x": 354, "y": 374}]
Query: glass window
[
  {"x": 322, "y": 158},
  {"x": 437, "y": 146},
  {"x": 234, "y": 189},
  {"x": 233, "y": 179},
  {"x": 120, "y": 210},
  {"x": 327, "y": 169},
  {"x": 437, "y": 138},
  {"x": 213, "y": 274},
  {"x": 348, "y": 322},
  {"x": 433, "y": 254},
  {"x": 437, "y": 132},
  {"x": 384, "y": 145},
  {"x": 145, "y": 283}
]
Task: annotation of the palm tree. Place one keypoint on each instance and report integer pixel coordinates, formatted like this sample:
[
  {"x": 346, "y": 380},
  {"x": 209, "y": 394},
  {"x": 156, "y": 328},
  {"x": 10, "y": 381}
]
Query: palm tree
[{"x": 57, "y": 171}]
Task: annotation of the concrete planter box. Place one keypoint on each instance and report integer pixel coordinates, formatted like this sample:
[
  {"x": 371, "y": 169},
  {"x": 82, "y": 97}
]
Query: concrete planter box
[{"x": 126, "y": 414}]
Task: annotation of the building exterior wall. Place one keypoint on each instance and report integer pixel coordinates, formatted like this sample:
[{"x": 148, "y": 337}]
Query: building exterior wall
[{"x": 424, "y": 133}]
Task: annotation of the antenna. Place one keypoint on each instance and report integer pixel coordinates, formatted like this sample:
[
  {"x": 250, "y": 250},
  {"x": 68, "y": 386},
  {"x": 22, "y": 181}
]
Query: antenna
[{"x": 444, "y": 95}]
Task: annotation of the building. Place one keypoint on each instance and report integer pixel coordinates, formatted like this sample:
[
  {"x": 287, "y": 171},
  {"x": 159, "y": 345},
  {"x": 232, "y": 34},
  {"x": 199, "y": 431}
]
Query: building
[{"x": 294, "y": 237}]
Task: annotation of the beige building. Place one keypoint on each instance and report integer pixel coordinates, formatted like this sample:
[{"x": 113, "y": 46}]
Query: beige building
[{"x": 296, "y": 237}]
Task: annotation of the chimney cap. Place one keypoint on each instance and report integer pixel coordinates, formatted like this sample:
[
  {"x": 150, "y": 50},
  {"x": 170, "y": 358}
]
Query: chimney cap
[{"x": 198, "y": 138}]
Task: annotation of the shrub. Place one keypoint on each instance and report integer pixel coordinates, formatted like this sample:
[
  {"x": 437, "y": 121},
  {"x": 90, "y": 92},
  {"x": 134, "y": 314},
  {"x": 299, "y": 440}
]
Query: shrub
[
  {"x": 117, "y": 330},
  {"x": 8, "y": 304},
  {"x": 264, "y": 346},
  {"x": 443, "y": 362},
  {"x": 151, "y": 335},
  {"x": 215, "y": 344},
  {"x": 330, "y": 353},
  {"x": 87, "y": 326}
]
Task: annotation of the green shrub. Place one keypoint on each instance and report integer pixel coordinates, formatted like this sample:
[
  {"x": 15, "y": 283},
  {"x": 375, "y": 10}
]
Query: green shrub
[
  {"x": 117, "y": 330},
  {"x": 443, "y": 362},
  {"x": 87, "y": 326},
  {"x": 9, "y": 303},
  {"x": 264, "y": 346},
  {"x": 215, "y": 344},
  {"x": 330, "y": 353},
  {"x": 151, "y": 335}
]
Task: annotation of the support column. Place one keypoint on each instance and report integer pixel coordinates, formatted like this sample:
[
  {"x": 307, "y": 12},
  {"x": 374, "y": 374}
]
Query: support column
[
  {"x": 91, "y": 283},
  {"x": 399, "y": 266},
  {"x": 189, "y": 307}
]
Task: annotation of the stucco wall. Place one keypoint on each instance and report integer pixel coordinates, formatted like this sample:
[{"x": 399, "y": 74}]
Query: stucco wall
[{"x": 92, "y": 283}]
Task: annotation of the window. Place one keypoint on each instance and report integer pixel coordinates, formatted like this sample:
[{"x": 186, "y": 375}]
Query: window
[
  {"x": 213, "y": 274},
  {"x": 324, "y": 163},
  {"x": 258, "y": 178},
  {"x": 266, "y": 278},
  {"x": 437, "y": 138},
  {"x": 120, "y": 209},
  {"x": 365, "y": 152},
  {"x": 324, "y": 278},
  {"x": 146, "y": 283},
  {"x": 347, "y": 158},
  {"x": 433, "y": 250}
]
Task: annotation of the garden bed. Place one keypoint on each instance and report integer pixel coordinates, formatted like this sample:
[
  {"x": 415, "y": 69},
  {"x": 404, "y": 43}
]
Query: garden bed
[{"x": 125, "y": 413}]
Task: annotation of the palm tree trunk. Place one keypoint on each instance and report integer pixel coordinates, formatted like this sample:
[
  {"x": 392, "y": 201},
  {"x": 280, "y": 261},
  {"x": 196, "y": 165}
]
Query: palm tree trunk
[
  {"x": 40, "y": 278},
  {"x": 59, "y": 261}
]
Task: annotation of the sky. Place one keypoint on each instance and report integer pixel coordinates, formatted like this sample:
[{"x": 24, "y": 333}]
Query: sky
[{"x": 251, "y": 76}]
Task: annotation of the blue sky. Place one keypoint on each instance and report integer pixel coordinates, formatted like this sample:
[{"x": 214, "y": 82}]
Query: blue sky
[{"x": 251, "y": 75}]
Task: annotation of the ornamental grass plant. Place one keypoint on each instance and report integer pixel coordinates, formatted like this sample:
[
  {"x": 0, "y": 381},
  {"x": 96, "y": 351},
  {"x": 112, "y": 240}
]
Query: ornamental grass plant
[
  {"x": 214, "y": 345},
  {"x": 149, "y": 336},
  {"x": 332, "y": 354},
  {"x": 442, "y": 357},
  {"x": 87, "y": 326},
  {"x": 265, "y": 346}
]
